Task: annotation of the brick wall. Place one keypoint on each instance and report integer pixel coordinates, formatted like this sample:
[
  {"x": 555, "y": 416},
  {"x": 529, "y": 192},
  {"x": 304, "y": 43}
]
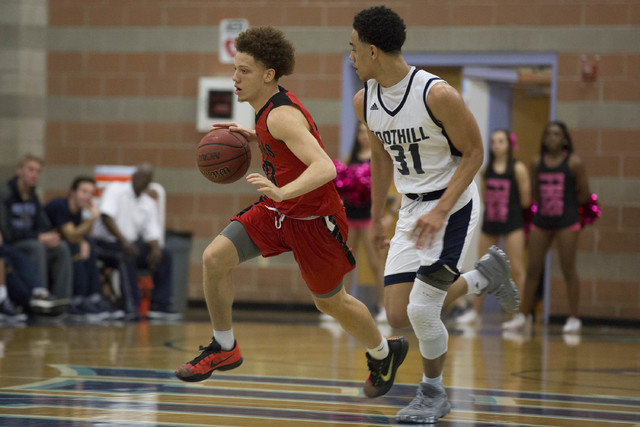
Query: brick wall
[
  {"x": 611, "y": 152},
  {"x": 122, "y": 79}
]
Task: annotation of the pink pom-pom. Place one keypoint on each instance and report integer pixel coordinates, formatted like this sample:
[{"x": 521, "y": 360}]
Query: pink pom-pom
[
  {"x": 590, "y": 211},
  {"x": 353, "y": 183}
]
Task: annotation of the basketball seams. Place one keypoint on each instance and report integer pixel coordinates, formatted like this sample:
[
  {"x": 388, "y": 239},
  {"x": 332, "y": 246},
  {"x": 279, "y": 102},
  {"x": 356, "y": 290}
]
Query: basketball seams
[
  {"x": 222, "y": 161},
  {"x": 224, "y": 144},
  {"x": 211, "y": 156},
  {"x": 243, "y": 141}
]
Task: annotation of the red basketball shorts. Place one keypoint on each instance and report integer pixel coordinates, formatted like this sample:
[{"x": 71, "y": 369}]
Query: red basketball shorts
[{"x": 321, "y": 253}]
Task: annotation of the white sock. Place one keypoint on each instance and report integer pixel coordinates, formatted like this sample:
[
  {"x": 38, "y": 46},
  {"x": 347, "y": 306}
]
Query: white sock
[
  {"x": 476, "y": 282},
  {"x": 39, "y": 292},
  {"x": 381, "y": 351},
  {"x": 224, "y": 338},
  {"x": 432, "y": 381},
  {"x": 3, "y": 293}
]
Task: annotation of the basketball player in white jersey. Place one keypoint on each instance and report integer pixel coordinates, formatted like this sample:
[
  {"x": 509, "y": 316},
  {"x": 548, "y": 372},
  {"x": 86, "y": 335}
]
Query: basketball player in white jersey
[{"x": 426, "y": 140}]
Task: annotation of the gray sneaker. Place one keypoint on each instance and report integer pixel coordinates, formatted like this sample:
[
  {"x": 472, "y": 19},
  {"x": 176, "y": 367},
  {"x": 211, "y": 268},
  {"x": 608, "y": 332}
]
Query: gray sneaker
[
  {"x": 429, "y": 405},
  {"x": 9, "y": 313},
  {"x": 494, "y": 265}
]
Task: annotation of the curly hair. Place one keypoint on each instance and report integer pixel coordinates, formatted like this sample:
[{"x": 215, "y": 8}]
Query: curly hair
[
  {"x": 269, "y": 46},
  {"x": 381, "y": 27}
]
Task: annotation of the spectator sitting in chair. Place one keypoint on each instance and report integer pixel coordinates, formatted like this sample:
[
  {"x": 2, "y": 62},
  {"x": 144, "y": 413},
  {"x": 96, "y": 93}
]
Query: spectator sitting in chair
[
  {"x": 25, "y": 226},
  {"x": 20, "y": 285},
  {"x": 129, "y": 228},
  {"x": 66, "y": 214}
]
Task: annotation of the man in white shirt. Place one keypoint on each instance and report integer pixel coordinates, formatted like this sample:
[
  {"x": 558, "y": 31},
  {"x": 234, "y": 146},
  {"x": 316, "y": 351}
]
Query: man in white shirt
[{"x": 129, "y": 232}]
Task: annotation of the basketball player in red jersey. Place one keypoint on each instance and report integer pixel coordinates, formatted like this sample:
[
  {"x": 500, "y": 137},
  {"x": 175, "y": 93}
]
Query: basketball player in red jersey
[{"x": 299, "y": 211}]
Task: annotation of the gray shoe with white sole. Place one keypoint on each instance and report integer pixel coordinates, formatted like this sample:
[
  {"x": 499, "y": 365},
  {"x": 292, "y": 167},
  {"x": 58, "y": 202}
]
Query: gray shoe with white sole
[
  {"x": 494, "y": 265},
  {"x": 430, "y": 404}
]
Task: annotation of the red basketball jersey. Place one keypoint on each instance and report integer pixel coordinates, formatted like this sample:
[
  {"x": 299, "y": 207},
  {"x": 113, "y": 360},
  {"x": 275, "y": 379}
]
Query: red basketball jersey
[{"x": 281, "y": 166}]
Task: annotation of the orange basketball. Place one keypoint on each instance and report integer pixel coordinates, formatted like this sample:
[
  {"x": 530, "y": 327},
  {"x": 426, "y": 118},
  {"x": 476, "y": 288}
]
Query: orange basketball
[{"x": 223, "y": 156}]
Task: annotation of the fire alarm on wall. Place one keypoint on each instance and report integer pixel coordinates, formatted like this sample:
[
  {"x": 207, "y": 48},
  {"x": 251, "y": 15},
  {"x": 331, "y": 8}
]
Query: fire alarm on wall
[
  {"x": 590, "y": 69},
  {"x": 217, "y": 102}
]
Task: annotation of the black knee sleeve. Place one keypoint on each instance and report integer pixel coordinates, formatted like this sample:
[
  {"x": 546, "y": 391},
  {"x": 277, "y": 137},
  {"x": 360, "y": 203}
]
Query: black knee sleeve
[{"x": 442, "y": 278}]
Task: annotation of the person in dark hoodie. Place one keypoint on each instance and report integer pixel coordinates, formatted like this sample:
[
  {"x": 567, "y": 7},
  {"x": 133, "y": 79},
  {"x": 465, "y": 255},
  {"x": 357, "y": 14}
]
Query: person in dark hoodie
[{"x": 25, "y": 226}]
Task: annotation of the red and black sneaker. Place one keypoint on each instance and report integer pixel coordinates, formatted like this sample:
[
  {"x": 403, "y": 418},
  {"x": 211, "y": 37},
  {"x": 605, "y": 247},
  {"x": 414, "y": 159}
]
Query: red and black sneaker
[
  {"x": 212, "y": 358},
  {"x": 383, "y": 372}
]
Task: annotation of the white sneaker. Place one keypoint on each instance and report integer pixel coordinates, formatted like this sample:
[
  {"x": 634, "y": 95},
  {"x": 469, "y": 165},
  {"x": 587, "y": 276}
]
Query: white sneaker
[
  {"x": 573, "y": 325},
  {"x": 163, "y": 315},
  {"x": 571, "y": 340},
  {"x": 519, "y": 321},
  {"x": 516, "y": 337},
  {"x": 467, "y": 317}
]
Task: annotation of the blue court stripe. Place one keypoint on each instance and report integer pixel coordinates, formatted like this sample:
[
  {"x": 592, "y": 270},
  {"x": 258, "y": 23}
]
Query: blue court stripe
[
  {"x": 213, "y": 410},
  {"x": 398, "y": 397},
  {"x": 46, "y": 421},
  {"x": 134, "y": 373},
  {"x": 22, "y": 400},
  {"x": 399, "y": 389}
]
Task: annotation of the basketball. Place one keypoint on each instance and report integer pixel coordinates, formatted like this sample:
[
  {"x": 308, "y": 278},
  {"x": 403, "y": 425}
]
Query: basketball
[{"x": 223, "y": 156}]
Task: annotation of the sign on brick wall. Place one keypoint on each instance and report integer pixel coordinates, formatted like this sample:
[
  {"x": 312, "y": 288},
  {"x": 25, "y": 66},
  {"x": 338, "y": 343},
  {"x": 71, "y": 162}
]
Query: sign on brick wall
[{"x": 229, "y": 30}]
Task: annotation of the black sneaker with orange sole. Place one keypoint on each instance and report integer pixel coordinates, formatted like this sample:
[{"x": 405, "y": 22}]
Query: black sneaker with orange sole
[
  {"x": 212, "y": 358},
  {"x": 383, "y": 372}
]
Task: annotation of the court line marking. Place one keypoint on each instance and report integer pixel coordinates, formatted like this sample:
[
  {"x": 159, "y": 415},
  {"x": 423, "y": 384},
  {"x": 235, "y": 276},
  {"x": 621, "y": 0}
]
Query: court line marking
[
  {"x": 106, "y": 422},
  {"x": 73, "y": 371},
  {"x": 353, "y": 388},
  {"x": 330, "y": 382},
  {"x": 370, "y": 418},
  {"x": 261, "y": 413},
  {"x": 531, "y": 411}
]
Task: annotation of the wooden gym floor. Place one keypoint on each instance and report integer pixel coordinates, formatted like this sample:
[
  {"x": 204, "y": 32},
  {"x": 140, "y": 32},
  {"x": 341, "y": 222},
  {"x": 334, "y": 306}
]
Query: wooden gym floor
[{"x": 299, "y": 371}]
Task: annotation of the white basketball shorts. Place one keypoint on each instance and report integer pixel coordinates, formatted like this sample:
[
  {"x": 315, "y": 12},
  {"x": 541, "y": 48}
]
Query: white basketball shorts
[{"x": 449, "y": 246}]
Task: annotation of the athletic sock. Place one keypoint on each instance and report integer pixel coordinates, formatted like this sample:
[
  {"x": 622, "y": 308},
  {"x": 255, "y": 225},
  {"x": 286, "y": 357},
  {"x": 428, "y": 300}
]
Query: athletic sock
[
  {"x": 437, "y": 381},
  {"x": 476, "y": 281},
  {"x": 224, "y": 338},
  {"x": 3, "y": 293},
  {"x": 381, "y": 351},
  {"x": 39, "y": 292}
]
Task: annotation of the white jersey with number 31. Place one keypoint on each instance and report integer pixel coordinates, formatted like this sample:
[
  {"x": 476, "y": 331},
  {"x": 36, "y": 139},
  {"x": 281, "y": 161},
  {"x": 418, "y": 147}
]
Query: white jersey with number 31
[{"x": 423, "y": 157}]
